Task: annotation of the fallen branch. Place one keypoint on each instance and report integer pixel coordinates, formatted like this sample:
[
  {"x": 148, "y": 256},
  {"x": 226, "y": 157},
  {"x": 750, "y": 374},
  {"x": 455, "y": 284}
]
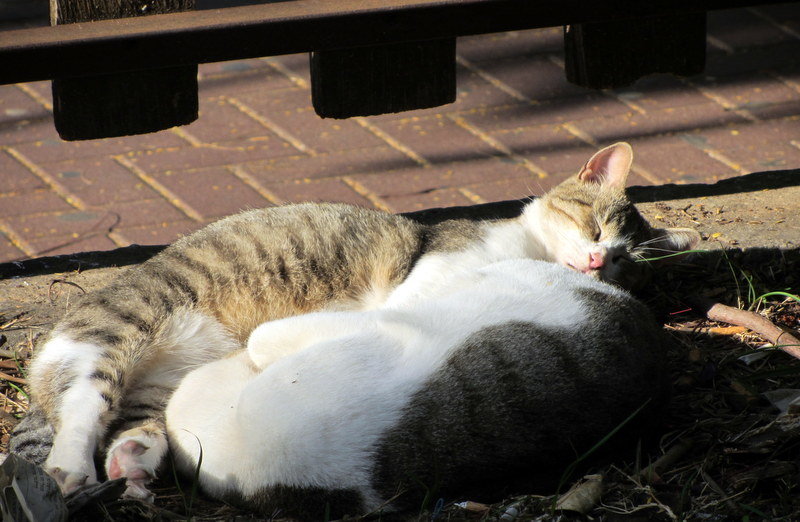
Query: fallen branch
[
  {"x": 11, "y": 378},
  {"x": 652, "y": 473},
  {"x": 760, "y": 325}
]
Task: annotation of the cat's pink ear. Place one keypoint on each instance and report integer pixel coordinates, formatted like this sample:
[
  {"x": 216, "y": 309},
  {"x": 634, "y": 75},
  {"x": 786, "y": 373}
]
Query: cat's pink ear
[{"x": 609, "y": 167}]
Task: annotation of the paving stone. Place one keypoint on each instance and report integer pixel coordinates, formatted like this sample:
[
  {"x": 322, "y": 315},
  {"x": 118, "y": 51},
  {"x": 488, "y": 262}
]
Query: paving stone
[
  {"x": 757, "y": 94},
  {"x": 472, "y": 93},
  {"x": 675, "y": 160},
  {"x": 53, "y": 246},
  {"x": 448, "y": 197},
  {"x": 31, "y": 202},
  {"x": 550, "y": 111},
  {"x": 212, "y": 192},
  {"x": 291, "y": 110},
  {"x": 301, "y": 190},
  {"x": 438, "y": 139},
  {"x": 511, "y": 45},
  {"x": 9, "y": 252},
  {"x": 752, "y": 60},
  {"x": 296, "y": 64},
  {"x": 222, "y": 122},
  {"x": 231, "y": 78},
  {"x": 15, "y": 177},
  {"x": 339, "y": 163},
  {"x": 755, "y": 146},
  {"x": 73, "y": 223},
  {"x": 153, "y": 212},
  {"x": 99, "y": 181},
  {"x": 159, "y": 234},
  {"x": 786, "y": 15},
  {"x": 508, "y": 189},
  {"x": 187, "y": 157},
  {"x": 550, "y": 147},
  {"x": 536, "y": 77},
  {"x": 54, "y": 149},
  {"x": 673, "y": 120},
  {"x": 741, "y": 28},
  {"x": 661, "y": 91},
  {"x": 419, "y": 179}
]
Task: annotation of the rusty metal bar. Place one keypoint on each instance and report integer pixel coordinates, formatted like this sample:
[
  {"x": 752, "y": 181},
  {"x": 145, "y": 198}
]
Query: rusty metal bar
[{"x": 167, "y": 40}]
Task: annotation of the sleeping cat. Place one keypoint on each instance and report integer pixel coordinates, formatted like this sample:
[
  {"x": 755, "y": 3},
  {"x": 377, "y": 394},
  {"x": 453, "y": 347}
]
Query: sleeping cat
[
  {"x": 504, "y": 373},
  {"x": 103, "y": 377}
]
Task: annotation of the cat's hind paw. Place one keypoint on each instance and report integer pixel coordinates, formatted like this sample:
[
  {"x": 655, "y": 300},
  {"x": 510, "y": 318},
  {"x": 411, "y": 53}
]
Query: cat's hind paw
[{"x": 136, "y": 455}]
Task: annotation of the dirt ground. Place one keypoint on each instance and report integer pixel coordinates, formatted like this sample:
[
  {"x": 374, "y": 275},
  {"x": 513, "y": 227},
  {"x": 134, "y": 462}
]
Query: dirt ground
[{"x": 751, "y": 225}]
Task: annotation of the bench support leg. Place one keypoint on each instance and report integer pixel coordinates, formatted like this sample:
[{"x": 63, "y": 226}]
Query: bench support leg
[
  {"x": 137, "y": 102},
  {"x": 614, "y": 54},
  {"x": 381, "y": 79}
]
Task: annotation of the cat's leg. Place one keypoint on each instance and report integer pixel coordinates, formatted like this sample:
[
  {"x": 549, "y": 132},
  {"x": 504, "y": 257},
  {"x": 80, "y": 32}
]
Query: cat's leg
[
  {"x": 64, "y": 378},
  {"x": 275, "y": 340},
  {"x": 139, "y": 445}
]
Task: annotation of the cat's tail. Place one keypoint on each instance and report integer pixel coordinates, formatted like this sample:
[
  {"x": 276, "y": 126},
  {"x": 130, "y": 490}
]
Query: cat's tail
[{"x": 32, "y": 438}]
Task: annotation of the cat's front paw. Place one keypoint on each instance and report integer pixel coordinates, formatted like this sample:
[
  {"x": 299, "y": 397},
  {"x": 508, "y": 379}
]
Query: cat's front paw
[{"x": 70, "y": 481}]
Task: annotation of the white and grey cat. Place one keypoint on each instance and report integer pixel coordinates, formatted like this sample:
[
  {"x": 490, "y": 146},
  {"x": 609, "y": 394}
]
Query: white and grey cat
[
  {"x": 499, "y": 374},
  {"x": 101, "y": 381}
]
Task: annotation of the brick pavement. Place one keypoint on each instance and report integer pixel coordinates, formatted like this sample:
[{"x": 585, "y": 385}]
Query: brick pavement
[{"x": 516, "y": 129}]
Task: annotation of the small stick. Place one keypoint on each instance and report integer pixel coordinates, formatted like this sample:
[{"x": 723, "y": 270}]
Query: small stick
[
  {"x": 651, "y": 473},
  {"x": 583, "y": 496},
  {"x": 764, "y": 327},
  {"x": 11, "y": 378}
]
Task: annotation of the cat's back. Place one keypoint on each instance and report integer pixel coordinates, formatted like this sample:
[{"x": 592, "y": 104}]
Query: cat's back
[{"x": 517, "y": 402}]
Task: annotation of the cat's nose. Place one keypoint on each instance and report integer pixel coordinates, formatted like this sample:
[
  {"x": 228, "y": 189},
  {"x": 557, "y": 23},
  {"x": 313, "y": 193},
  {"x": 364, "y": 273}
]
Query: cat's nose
[{"x": 596, "y": 260}]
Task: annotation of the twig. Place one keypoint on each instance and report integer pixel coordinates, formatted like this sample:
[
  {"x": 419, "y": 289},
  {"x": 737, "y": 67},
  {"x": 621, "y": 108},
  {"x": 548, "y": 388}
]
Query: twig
[
  {"x": 11, "y": 378},
  {"x": 710, "y": 330},
  {"x": 652, "y": 472},
  {"x": 764, "y": 327}
]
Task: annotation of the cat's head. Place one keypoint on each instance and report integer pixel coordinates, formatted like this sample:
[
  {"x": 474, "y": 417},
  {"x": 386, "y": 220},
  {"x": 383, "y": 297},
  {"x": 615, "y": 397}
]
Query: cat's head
[{"x": 588, "y": 223}]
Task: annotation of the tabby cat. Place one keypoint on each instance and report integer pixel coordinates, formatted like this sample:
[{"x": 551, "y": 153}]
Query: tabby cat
[
  {"x": 495, "y": 378},
  {"x": 103, "y": 377}
]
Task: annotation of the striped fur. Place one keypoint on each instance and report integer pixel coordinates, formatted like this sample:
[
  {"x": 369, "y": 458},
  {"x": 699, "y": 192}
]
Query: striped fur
[{"x": 105, "y": 372}]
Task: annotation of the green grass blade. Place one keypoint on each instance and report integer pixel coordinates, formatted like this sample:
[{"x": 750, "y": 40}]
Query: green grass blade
[{"x": 648, "y": 259}]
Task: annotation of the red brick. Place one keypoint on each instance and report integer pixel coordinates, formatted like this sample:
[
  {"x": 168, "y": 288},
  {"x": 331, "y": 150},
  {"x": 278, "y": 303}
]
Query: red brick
[
  {"x": 187, "y": 157},
  {"x": 72, "y": 223},
  {"x": 550, "y": 111},
  {"x": 212, "y": 192},
  {"x": 297, "y": 64},
  {"x": 22, "y": 119},
  {"x": 680, "y": 119},
  {"x": 472, "y": 93},
  {"x": 756, "y": 93},
  {"x": 291, "y": 110},
  {"x": 340, "y": 163},
  {"x": 53, "y": 246},
  {"x": 787, "y": 15},
  {"x": 673, "y": 160},
  {"x": 751, "y": 60},
  {"x": 437, "y": 138},
  {"x": 421, "y": 179},
  {"x": 221, "y": 122},
  {"x": 661, "y": 92},
  {"x": 740, "y": 28},
  {"x": 448, "y": 197},
  {"x": 32, "y": 202},
  {"x": 153, "y": 212},
  {"x": 53, "y": 150},
  {"x": 550, "y": 147},
  {"x": 507, "y": 189},
  {"x": 15, "y": 177},
  {"x": 223, "y": 78},
  {"x": 43, "y": 88},
  {"x": 99, "y": 181},
  {"x": 756, "y": 146},
  {"x": 511, "y": 45},
  {"x": 535, "y": 77},
  {"x": 159, "y": 234},
  {"x": 318, "y": 190},
  {"x": 8, "y": 252}
]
